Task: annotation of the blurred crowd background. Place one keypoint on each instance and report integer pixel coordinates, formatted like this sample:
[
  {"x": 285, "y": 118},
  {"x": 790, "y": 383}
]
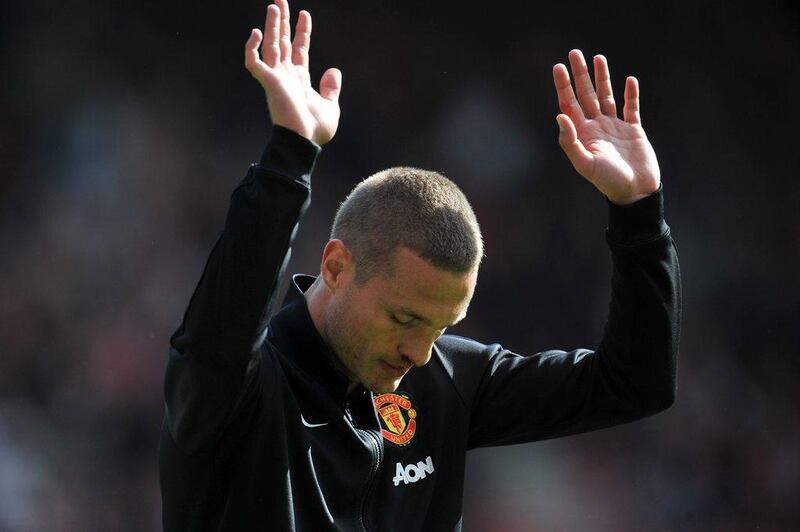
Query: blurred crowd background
[{"x": 124, "y": 126}]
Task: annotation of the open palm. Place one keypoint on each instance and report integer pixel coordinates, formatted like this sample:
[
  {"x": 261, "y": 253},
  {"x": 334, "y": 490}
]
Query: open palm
[
  {"x": 282, "y": 69},
  {"x": 614, "y": 155}
]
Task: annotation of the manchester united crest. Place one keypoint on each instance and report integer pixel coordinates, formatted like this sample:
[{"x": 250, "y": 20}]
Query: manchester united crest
[{"x": 398, "y": 418}]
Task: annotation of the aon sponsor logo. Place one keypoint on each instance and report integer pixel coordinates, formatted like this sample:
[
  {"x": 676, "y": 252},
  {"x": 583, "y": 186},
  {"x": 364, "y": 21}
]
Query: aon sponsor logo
[{"x": 412, "y": 472}]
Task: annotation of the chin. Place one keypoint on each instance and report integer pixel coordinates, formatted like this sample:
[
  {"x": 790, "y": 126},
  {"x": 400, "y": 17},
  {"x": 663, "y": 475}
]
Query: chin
[{"x": 384, "y": 387}]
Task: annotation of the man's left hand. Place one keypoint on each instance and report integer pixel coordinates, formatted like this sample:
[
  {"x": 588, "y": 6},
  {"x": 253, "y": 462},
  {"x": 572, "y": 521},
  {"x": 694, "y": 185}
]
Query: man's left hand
[{"x": 614, "y": 155}]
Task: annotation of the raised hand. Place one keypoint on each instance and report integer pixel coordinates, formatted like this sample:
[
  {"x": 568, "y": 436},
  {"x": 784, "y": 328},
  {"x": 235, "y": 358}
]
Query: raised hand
[
  {"x": 613, "y": 154},
  {"x": 282, "y": 69}
]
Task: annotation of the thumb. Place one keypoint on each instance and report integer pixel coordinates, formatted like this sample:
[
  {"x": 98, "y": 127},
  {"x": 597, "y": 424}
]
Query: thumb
[
  {"x": 579, "y": 156},
  {"x": 331, "y": 84}
]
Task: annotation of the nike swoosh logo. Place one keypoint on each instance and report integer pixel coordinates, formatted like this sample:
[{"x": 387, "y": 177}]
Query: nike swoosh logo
[{"x": 311, "y": 425}]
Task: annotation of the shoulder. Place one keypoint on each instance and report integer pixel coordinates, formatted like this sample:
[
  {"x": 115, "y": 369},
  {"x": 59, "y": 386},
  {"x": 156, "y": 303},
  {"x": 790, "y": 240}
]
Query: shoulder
[
  {"x": 465, "y": 361},
  {"x": 464, "y": 358},
  {"x": 452, "y": 344}
]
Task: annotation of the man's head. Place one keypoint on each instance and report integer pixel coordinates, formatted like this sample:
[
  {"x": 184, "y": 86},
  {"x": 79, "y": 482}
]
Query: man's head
[
  {"x": 408, "y": 207},
  {"x": 400, "y": 267}
]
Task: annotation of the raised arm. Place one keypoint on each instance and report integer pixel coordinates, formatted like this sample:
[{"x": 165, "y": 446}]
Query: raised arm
[
  {"x": 214, "y": 356},
  {"x": 631, "y": 374}
]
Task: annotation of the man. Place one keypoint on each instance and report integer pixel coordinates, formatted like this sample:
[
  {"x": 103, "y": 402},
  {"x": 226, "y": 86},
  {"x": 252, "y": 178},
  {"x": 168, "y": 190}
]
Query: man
[{"x": 350, "y": 410}]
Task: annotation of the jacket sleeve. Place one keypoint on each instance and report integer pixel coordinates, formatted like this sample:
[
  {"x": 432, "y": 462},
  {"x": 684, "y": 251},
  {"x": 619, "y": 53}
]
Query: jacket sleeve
[
  {"x": 214, "y": 353},
  {"x": 515, "y": 399}
]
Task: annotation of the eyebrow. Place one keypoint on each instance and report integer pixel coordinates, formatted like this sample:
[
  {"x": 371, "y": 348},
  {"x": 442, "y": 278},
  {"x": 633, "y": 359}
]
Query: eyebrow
[{"x": 425, "y": 320}]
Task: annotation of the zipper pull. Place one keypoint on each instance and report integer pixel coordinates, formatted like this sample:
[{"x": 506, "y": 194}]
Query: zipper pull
[{"x": 349, "y": 414}]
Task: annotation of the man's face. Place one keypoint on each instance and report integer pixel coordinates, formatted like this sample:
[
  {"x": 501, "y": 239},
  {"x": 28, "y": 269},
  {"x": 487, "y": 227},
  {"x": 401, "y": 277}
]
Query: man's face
[{"x": 382, "y": 328}]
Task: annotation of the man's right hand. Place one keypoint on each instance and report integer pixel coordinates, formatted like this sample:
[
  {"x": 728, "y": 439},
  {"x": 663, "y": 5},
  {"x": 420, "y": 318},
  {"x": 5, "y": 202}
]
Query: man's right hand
[{"x": 281, "y": 66}]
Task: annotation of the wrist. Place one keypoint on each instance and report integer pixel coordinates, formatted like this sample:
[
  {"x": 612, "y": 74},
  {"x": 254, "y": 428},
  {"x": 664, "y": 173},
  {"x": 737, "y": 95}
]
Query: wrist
[
  {"x": 289, "y": 154},
  {"x": 637, "y": 222},
  {"x": 622, "y": 200}
]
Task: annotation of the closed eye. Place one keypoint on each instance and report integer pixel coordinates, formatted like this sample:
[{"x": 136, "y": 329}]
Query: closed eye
[{"x": 401, "y": 322}]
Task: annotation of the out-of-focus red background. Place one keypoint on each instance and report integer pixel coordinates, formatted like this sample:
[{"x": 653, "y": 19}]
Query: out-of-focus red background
[{"x": 125, "y": 125}]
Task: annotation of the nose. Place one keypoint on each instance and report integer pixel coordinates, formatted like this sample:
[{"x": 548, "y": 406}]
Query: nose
[{"x": 416, "y": 350}]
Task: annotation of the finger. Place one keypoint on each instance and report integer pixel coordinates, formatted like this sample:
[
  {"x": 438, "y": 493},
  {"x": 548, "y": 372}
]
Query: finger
[
  {"x": 331, "y": 84},
  {"x": 302, "y": 39},
  {"x": 251, "y": 57},
  {"x": 605, "y": 93},
  {"x": 269, "y": 46},
  {"x": 285, "y": 41},
  {"x": 566, "y": 97},
  {"x": 583, "y": 84},
  {"x": 580, "y": 158},
  {"x": 631, "y": 109}
]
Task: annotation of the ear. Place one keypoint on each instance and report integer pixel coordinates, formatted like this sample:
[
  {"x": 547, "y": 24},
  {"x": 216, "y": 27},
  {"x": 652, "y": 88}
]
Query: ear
[{"x": 337, "y": 264}]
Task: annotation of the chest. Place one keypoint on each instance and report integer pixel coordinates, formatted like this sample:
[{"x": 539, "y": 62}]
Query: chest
[{"x": 376, "y": 461}]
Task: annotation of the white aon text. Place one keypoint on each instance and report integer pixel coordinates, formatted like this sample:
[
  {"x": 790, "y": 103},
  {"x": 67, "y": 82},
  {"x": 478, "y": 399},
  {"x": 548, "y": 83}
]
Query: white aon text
[{"x": 412, "y": 472}]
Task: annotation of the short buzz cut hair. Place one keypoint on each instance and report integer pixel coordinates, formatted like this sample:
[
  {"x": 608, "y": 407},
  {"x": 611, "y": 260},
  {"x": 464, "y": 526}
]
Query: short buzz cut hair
[{"x": 407, "y": 207}]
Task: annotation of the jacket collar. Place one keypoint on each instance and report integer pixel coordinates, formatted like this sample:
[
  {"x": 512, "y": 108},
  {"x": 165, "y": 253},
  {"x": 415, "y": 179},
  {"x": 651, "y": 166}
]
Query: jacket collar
[{"x": 293, "y": 332}]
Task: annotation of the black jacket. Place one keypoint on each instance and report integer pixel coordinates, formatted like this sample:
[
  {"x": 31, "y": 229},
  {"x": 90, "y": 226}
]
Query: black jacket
[{"x": 260, "y": 434}]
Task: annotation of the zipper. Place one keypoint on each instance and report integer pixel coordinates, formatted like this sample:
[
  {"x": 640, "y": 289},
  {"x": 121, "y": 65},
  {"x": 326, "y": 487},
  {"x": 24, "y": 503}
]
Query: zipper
[
  {"x": 373, "y": 440},
  {"x": 376, "y": 465}
]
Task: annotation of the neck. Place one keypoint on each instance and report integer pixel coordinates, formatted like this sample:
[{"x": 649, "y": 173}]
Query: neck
[{"x": 317, "y": 299}]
